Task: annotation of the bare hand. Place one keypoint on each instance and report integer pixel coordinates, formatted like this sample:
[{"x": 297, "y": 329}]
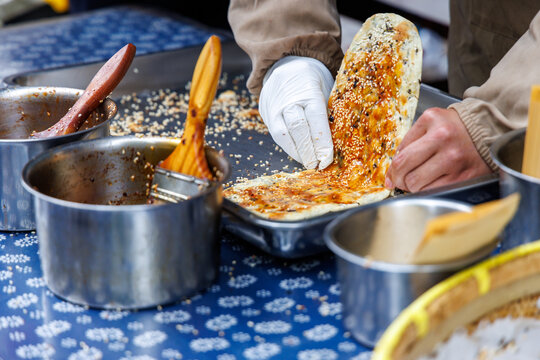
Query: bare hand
[{"x": 436, "y": 151}]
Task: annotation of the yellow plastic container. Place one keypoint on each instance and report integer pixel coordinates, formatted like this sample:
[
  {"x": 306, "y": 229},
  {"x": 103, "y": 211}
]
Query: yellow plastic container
[
  {"x": 460, "y": 300},
  {"x": 60, "y": 6}
]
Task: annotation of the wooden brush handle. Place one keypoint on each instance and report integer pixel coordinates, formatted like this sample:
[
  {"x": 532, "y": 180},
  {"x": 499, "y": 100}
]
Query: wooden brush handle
[
  {"x": 531, "y": 151},
  {"x": 189, "y": 156},
  {"x": 102, "y": 84}
]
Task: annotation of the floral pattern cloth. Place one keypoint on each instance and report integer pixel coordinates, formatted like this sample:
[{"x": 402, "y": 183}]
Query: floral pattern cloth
[{"x": 260, "y": 307}]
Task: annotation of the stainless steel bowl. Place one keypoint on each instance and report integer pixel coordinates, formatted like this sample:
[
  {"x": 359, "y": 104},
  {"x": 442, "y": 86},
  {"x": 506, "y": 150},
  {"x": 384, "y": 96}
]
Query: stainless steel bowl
[
  {"x": 23, "y": 110},
  {"x": 130, "y": 254},
  {"x": 372, "y": 247},
  {"x": 507, "y": 152}
]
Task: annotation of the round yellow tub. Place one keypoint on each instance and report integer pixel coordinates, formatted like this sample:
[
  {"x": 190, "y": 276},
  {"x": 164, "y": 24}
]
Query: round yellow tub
[{"x": 460, "y": 300}]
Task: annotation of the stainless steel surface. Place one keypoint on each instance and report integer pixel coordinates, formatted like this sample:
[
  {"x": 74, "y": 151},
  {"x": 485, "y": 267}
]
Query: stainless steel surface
[
  {"x": 283, "y": 239},
  {"x": 23, "y": 110},
  {"x": 130, "y": 254},
  {"x": 507, "y": 152},
  {"x": 295, "y": 239},
  {"x": 175, "y": 187},
  {"x": 370, "y": 244}
]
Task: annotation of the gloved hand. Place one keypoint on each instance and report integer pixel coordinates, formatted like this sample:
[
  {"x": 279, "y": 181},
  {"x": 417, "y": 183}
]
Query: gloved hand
[{"x": 293, "y": 105}]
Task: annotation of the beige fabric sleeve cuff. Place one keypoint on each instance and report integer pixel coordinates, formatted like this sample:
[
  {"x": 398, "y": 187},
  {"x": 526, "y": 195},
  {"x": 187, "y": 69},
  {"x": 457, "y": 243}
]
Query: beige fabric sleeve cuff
[
  {"x": 501, "y": 103},
  {"x": 480, "y": 135},
  {"x": 268, "y": 30},
  {"x": 315, "y": 46}
]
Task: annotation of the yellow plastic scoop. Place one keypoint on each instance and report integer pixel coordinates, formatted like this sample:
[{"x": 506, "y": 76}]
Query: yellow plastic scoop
[{"x": 454, "y": 235}]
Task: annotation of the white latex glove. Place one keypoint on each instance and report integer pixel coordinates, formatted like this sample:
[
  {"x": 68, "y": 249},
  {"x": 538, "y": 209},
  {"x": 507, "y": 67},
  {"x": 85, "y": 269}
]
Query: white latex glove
[{"x": 293, "y": 105}]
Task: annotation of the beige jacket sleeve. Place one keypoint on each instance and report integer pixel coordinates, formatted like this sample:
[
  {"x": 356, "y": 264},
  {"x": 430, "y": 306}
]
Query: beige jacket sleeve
[
  {"x": 501, "y": 103},
  {"x": 268, "y": 30}
]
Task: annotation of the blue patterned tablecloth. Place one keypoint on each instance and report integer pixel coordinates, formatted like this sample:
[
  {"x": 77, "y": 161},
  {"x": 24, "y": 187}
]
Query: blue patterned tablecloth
[
  {"x": 260, "y": 307},
  {"x": 91, "y": 37}
]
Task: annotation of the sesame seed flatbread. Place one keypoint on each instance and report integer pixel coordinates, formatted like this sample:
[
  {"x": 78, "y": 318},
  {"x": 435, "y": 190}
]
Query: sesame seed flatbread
[{"x": 371, "y": 107}]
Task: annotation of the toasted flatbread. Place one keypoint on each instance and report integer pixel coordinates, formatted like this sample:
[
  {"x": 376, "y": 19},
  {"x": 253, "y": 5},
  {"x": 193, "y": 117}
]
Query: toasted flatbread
[
  {"x": 374, "y": 98},
  {"x": 370, "y": 109},
  {"x": 299, "y": 195}
]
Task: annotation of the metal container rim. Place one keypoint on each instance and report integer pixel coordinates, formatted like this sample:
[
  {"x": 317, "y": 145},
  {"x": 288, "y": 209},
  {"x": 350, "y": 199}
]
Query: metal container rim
[
  {"x": 392, "y": 336},
  {"x": 72, "y": 91},
  {"x": 109, "y": 208},
  {"x": 383, "y": 266},
  {"x": 501, "y": 142}
]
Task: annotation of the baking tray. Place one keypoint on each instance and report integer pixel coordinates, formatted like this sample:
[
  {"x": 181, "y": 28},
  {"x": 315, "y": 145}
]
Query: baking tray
[
  {"x": 295, "y": 239},
  {"x": 251, "y": 152},
  {"x": 299, "y": 238}
]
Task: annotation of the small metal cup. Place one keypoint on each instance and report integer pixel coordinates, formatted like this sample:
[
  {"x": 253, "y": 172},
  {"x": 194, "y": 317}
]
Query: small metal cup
[
  {"x": 27, "y": 109},
  {"x": 507, "y": 153},
  {"x": 372, "y": 245},
  {"x": 101, "y": 244}
]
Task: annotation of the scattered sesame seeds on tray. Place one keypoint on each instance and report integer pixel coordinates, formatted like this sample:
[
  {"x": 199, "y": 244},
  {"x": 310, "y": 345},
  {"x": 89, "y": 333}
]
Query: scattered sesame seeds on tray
[{"x": 234, "y": 125}]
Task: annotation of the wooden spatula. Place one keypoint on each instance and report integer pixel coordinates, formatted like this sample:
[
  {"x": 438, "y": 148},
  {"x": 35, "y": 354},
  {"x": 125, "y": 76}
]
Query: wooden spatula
[
  {"x": 189, "y": 156},
  {"x": 102, "y": 84},
  {"x": 454, "y": 235},
  {"x": 185, "y": 172}
]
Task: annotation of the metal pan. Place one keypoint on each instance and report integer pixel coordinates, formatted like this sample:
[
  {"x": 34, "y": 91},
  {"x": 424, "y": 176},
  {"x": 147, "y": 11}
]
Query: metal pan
[
  {"x": 101, "y": 244},
  {"x": 22, "y": 110},
  {"x": 376, "y": 280},
  {"x": 507, "y": 152},
  {"x": 294, "y": 239}
]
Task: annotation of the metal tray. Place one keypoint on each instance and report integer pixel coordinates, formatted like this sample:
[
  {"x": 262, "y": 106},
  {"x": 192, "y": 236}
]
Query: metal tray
[
  {"x": 258, "y": 152},
  {"x": 295, "y": 239}
]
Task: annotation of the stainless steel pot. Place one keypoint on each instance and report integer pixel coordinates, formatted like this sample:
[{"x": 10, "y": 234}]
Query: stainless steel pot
[
  {"x": 23, "y": 110},
  {"x": 372, "y": 246},
  {"x": 507, "y": 152},
  {"x": 101, "y": 245}
]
